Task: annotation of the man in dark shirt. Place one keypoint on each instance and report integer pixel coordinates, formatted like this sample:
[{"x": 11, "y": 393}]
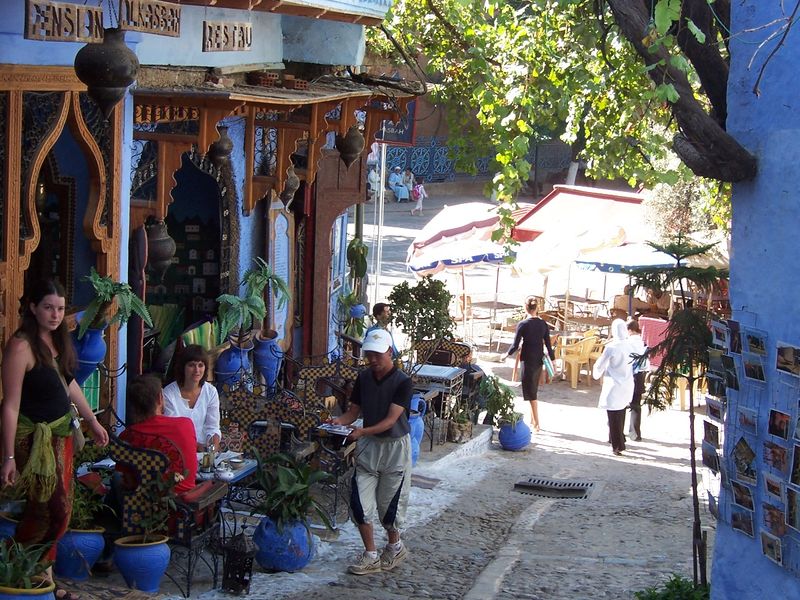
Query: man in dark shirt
[{"x": 382, "y": 479}]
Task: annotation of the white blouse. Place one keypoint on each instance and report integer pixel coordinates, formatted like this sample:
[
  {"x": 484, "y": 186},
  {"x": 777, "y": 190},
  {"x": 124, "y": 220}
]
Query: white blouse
[
  {"x": 204, "y": 415},
  {"x": 615, "y": 367}
]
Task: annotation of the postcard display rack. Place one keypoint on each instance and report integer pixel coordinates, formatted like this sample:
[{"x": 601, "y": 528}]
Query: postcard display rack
[{"x": 755, "y": 404}]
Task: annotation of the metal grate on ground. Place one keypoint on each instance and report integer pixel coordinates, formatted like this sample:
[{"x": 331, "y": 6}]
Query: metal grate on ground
[{"x": 565, "y": 489}]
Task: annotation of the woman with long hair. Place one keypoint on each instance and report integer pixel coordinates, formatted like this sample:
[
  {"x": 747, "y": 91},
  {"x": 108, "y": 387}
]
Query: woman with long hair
[
  {"x": 534, "y": 335},
  {"x": 35, "y": 418},
  {"x": 190, "y": 395}
]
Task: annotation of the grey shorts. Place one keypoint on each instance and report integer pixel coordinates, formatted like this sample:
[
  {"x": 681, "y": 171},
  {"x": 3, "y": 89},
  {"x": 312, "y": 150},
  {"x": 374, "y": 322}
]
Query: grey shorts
[{"x": 381, "y": 481}]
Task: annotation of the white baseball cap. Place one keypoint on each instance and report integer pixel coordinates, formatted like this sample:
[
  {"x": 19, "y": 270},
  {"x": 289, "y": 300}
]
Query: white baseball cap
[{"x": 377, "y": 340}]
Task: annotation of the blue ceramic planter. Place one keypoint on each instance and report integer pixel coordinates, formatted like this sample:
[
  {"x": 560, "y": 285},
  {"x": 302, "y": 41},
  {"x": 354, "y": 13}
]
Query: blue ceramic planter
[
  {"x": 514, "y": 437},
  {"x": 142, "y": 565},
  {"x": 78, "y": 550},
  {"x": 42, "y": 593},
  {"x": 359, "y": 311},
  {"x": 231, "y": 364},
  {"x": 8, "y": 526},
  {"x": 267, "y": 359},
  {"x": 288, "y": 550},
  {"x": 417, "y": 424},
  {"x": 91, "y": 350}
]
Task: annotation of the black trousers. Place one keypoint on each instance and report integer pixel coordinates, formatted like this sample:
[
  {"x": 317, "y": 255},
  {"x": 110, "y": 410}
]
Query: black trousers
[
  {"x": 636, "y": 404},
  {"x": 616, "y": 429}
]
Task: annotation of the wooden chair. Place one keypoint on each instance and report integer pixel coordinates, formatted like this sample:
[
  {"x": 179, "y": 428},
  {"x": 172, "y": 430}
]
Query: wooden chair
[
  {"x": 576, "y": 355},
  {"x": 193, "y": 528}
]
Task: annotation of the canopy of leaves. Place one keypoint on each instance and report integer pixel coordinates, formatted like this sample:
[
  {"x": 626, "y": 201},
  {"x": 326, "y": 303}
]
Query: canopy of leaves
[{"x": 422, "y": 311}]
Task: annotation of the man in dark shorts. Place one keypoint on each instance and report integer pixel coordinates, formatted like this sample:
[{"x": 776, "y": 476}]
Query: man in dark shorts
[
  {"x": 534, "y": 334},
  {"x": 382, "y": 478}
]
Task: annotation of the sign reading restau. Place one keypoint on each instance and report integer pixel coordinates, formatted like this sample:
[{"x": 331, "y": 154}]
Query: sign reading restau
[
  {"x": 63, "y": 22},
  {"x": 150, "y": 16},
  {"x": 227, "y": 36}
]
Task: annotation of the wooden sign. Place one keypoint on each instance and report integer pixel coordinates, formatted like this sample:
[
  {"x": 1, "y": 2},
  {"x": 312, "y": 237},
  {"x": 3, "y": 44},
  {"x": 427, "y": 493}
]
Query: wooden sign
[
  {"x": 150, "y": 16},
  {"x": 227, "y": 36},
  {"x": 63, "y": 22}
]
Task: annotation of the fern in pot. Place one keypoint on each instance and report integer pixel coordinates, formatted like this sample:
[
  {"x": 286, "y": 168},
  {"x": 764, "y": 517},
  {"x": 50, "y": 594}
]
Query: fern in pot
[{"x": 283, "y": 535}]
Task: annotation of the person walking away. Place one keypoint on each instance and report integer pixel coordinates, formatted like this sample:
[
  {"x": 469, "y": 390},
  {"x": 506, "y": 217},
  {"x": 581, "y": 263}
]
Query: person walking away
[
  {"x": 190, "y": 395},
  {"x": 396, "y": 185},
  {"x": 639, "y": 373},
  {"x": 418, "y": 194},
  {"x": 37, "y": 425},
  {"x": 614, "y": 366},
  {"x": 382, "y": 477},
  {"x": 382, "y": 316},
  {"x": 534, "y": 335}
]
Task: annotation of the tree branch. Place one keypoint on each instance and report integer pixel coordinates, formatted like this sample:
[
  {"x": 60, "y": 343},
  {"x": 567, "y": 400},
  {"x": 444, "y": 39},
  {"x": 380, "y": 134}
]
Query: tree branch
[{"x": 455, "y": 35}]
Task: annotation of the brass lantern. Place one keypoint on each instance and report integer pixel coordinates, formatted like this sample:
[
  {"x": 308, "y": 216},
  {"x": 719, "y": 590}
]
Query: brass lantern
[{"x": 237, "y": 572}]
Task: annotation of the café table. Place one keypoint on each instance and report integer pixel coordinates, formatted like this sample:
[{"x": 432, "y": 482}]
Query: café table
[{"x": 447, "y": 381}]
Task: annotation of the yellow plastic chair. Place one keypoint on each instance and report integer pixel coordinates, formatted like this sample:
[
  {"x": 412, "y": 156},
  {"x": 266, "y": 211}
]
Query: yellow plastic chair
[{"x": 576, "y": 355}]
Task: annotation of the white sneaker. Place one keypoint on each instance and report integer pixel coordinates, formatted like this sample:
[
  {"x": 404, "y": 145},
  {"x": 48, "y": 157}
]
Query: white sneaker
[
  {"x": 391, "y": 558},
  {"x": 365, "y": 565}
]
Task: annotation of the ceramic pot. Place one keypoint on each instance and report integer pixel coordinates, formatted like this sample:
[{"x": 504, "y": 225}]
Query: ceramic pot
[
  {"x": 142, "y": 565},
  {"x": 514, "y": 437},
  {"x": 359, "y": 311},
  {"x": 78, "y": 550},
  {"x": 267, "y": 358},
  {"x": 417, "y": 423},
  {"x": 350, "y": 146},
  {"x": 219, "y": 152},
  {"x": 107, "y": 68},
  {"x": 44, "y": 592},
  {"x": 8, "y": 526},
  {"x": 232, "y": 363},
  {"x": 91, "y": 350},
  {"x": 288, "y": 550},
  {"x": 160, "y": 248}
]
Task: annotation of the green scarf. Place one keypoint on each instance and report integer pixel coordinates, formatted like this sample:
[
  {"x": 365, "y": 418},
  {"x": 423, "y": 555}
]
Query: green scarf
[{"x": 38, "y": 478}]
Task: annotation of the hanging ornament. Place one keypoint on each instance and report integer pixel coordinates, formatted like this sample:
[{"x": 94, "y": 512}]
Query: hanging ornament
[
  {"x": 350, "y": 146},
  {"x": 160, "y": 248},
  {"x": 219, "y": 152},
  {"x": 107, "y": 68},
  {"x": 290, "y": 187}
]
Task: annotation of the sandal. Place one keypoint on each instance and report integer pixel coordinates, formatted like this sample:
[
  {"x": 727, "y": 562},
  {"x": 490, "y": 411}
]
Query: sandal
[{"x": 62, "y": 594}]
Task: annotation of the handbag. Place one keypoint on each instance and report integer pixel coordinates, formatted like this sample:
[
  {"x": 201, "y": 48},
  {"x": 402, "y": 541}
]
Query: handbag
[
  {"x": 78, "y": 439},
  {"x": 548, "y": 366}
]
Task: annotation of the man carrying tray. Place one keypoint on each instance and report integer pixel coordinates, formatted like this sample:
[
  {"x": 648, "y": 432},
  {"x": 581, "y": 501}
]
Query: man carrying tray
[{"x": 382, "y": 478}]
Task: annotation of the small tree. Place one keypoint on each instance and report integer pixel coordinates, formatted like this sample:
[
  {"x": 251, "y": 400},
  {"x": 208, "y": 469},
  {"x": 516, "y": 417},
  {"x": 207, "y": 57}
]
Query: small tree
[
  {"x": 422, "y": 311},
  {"x": 683, "y": 352}
]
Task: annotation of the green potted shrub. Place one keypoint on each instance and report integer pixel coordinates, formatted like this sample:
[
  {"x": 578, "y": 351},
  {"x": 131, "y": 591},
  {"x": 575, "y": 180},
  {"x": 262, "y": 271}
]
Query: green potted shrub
[
  {"x": 459, "y": 428},
  {"x": 283, "y": 535},
  {"x": 22, "y": 571},
  {"x": 99, "y": 314},
  {"x": 422, "y": 311},
  {"x": 514, "y": 433}
]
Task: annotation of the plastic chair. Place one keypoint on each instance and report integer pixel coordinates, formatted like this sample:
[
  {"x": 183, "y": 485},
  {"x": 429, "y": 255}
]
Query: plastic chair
[{"x": 576, "y": 355}]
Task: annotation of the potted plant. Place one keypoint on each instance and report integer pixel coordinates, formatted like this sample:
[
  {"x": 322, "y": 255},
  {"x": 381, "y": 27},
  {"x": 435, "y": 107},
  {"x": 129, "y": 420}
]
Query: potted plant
[
  {"x": 422, "y": 311},
  {"x": 267, "y": 355},
  {"x": 283, "y": 535},
  {"x": 514, "y": 433},
  {"x": 352, "y": 313},
  {"x": 98, "y": 314},
  {"x": 459, "y": 428},
  {"x": 22, "y": 572},
  {"x": 81, "y": 545},
  {"x": 143, "y": 558}
]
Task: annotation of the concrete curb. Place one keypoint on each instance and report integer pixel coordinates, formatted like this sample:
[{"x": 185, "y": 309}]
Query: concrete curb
[{"x": 479, "y": 444}]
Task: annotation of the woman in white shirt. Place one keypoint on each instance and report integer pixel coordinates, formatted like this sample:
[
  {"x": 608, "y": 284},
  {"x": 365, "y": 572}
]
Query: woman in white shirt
[
  {"x": 615, "y": 367},
  {"x": 190, "y": 395}
]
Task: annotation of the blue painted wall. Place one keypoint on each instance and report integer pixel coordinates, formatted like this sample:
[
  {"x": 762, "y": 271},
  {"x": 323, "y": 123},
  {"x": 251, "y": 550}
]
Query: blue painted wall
[
  {"x": 322, "y": 42},
  {"x": 764, "y": 285}
]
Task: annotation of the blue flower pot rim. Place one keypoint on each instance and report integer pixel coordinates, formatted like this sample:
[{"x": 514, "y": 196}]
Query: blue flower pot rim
[
  {"x": 132, "y": 541},
  {"x": 32, "y": 592}
]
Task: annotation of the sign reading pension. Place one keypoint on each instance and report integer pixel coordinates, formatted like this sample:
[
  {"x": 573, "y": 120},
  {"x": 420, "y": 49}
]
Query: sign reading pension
[
  {"x": 63, "y": 22},
  {"x": 150, "y": 16},
  {"x": 227, "y": 36}
]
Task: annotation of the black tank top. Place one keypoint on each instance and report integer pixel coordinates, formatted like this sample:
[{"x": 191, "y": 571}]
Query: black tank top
[{"x": 44, "y": 398}]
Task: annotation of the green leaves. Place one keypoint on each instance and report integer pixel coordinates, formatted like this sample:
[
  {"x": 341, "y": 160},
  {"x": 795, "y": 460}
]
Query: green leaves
[
  {"x": 20, "y": 566},
  {"x": 422, "y": 311},
  {"x": 106, "y": 290},
  {"x": 665, "y": 13}
]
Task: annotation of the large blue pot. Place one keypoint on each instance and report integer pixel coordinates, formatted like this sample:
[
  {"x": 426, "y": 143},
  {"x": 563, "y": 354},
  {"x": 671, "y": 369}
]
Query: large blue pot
[
  {"x": 142, "y": 565},
  {"x": 91, "y": 350},
  {"x": 514, "y": 437},
  {"x": 232, "y": 364},
  {"x": 288, "y": 550},
  {"x": 8, "y": 526},
  {"x": 417, "y": 424},
  {"x": 45, "y": 592},
  {"x": 267, "y": 359},
  {"x": 77, "y": 552},
  {"x": 358, "y": 311}
]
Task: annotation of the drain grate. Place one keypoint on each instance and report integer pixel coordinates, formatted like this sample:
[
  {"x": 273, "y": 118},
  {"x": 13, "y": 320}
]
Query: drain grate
[{"x": 570, "y": 489}]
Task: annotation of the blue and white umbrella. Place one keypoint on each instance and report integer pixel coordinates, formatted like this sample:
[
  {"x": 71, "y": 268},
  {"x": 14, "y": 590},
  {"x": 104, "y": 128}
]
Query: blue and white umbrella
[
  {"x": 623, "y": 259},
  {"x": 456, "y": 256}
]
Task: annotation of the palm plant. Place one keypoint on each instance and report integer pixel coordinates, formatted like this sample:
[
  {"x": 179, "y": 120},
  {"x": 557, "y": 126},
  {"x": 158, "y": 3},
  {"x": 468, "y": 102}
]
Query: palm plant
[
  {"x": 106, "y": 290},
  {"x": 683, "y": 352},
  {"x": 263, "y": 277}
]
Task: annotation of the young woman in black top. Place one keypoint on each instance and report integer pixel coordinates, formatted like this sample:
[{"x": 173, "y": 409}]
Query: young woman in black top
[{"x": 534, "y": 334}]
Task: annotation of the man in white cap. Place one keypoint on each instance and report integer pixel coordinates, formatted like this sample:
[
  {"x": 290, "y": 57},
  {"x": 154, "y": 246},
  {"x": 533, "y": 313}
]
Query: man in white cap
[
  {"x": 382, "y": 480},
  {"x": 396, "y": 185}
]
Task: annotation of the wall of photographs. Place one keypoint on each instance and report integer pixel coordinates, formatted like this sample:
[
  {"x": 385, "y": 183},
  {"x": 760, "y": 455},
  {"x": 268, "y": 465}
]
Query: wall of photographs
[{"x": 752, "y": 413}]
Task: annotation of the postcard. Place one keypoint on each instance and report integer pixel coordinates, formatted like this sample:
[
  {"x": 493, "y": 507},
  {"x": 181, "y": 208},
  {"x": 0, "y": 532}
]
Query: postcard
[
  {"x": 753, "y": 366},
  {"x": 710, "y": 457},
  {"x": 779, "y": 424},
  {"x": 795, "y": 475},
  {"x": 742, "y": 520},
  {"x": 755, "y": 341},
  {"x": 711, "y": 433},
  {"x": 788, "y": 359},
  {"x": 744, "y": 461},
  {"x": 715, "y": 409},
  {"x": 734, "y": 337},
  {"x": 742, "y": 495},
  {"x": 731, "y": 376},
  {"x": 773, "y": 486},
  {"x": 771, "y": 547},
  {"x": 776, "y": 456},
  {"x": 719, "y": 334},
  {"x": 748, "y": 419},
  {"x": 793, "y": 508},
  {"x": 774, "y": 519}
]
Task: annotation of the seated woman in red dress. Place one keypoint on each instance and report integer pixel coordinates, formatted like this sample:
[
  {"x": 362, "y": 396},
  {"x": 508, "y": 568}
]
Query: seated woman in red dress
[{"x": 149, "y": 428}]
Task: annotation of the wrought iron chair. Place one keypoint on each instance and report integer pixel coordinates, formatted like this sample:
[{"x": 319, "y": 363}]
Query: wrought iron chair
[{"x": 194, "y": 524}]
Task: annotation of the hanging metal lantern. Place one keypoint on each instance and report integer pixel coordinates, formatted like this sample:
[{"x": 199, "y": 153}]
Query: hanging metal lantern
[
  {"x": 107, "y": 69},
  {"x": 160, "y": 248},
  {"x": 219, "y": 152},
  {"x": 290, "y": 187},
  {"x": 350, "y": 146},
  {"x": 237, "y": 572}
]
